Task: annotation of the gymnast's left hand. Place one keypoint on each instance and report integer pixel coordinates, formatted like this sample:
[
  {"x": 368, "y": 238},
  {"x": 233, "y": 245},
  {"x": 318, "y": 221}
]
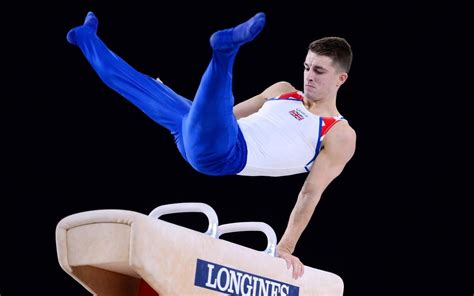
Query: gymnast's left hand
[{"x": 291, "y": 261}]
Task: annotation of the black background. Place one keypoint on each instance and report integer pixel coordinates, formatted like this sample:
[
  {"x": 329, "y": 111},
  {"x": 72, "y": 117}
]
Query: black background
[{"x": 396, "y": 222}]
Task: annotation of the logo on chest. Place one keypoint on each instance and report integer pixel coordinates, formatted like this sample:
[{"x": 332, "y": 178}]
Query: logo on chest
[{"x": 298, "y": 114}]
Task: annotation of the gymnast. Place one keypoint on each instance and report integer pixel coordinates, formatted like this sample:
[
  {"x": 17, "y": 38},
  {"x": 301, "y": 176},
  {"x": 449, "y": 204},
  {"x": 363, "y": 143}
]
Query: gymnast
[{"x": 281, "y": 131}]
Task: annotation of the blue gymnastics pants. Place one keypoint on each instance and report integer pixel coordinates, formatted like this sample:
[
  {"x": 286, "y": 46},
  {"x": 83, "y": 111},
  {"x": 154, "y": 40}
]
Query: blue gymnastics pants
[{"x": 205, "y": 130}]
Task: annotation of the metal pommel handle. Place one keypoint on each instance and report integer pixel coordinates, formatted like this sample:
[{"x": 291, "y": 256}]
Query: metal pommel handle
[
  {"x": 252, "y": 226},
  {"x": 190, "y": 207}
]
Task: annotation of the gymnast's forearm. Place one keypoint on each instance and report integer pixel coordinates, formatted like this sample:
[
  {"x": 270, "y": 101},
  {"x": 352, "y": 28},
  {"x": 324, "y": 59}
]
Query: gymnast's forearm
[{"x": 299, "y": 219}]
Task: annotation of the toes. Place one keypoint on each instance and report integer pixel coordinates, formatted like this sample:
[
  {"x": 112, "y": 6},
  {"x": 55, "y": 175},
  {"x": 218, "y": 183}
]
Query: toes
[{"x": 91, "y": 20}]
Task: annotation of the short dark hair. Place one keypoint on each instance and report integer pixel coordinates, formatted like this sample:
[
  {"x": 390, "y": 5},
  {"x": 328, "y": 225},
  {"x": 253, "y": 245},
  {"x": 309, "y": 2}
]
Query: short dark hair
[{"x": 337, "y": 48}]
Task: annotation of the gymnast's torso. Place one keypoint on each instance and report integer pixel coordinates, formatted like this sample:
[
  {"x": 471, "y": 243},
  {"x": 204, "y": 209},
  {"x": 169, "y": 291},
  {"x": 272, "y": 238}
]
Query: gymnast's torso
[{"x": 283, "y": 137}]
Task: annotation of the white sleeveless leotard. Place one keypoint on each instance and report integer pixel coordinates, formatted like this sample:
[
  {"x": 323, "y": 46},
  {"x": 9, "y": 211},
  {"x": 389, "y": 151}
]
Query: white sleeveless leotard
[{"x": 283, "y": 137}]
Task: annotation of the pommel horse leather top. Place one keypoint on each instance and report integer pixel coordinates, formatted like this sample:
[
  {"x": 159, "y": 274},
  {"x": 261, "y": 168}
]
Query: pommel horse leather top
[{"x": 126, "y": 253}]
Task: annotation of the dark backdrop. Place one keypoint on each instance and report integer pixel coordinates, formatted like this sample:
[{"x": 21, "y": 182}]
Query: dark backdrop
[{"x": 395, "y": 222}]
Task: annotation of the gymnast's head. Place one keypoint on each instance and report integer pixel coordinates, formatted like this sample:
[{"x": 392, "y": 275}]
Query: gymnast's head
[
  {"x": 326, "y": 66},
  {"x": 336, "y": 48}
]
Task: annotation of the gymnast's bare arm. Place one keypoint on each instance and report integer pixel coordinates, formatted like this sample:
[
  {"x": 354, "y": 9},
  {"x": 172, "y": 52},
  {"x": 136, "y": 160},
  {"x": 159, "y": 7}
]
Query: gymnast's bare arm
[
  {"x": 338, "y": 149},
  {"x": 253, "y": 104}
]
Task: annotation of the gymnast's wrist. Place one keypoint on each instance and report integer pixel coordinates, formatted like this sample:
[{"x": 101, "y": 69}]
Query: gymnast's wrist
[{"x": 284, "y": 248}]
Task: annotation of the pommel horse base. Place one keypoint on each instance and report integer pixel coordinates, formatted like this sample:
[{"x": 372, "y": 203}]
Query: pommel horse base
[{"x": 125, "y": 253}]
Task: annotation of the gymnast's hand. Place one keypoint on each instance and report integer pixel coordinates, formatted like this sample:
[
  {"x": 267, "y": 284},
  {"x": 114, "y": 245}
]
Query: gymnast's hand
[{"x": 298, "y": 267}]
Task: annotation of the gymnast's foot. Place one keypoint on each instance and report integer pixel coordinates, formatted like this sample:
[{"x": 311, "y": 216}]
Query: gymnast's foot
[
  {"x": 229, "y": 39},
  {"x": 90, "y": 24}
]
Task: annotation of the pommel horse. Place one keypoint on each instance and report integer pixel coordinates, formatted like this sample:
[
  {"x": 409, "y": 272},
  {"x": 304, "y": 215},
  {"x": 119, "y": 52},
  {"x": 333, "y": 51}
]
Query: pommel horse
[{"x": 126, "y": 253}]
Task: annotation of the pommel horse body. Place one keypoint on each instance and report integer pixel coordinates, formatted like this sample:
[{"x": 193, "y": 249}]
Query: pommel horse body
[{"x": 126, "y": 253}]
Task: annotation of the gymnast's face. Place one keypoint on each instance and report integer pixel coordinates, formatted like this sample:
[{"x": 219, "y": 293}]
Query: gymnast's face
[{"x": 321, "y": 77}]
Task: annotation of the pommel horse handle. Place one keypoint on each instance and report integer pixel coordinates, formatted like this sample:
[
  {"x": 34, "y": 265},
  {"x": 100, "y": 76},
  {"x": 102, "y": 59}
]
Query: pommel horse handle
[
  {"x": 214, "y": 230},
  {"x": 252, "y": 226},
  {"x": 190, "y": 207}
]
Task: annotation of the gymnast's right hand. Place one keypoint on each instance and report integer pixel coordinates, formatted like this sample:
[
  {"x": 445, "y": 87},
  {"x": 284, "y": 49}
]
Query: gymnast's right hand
[{"x": 291, "y": 261}]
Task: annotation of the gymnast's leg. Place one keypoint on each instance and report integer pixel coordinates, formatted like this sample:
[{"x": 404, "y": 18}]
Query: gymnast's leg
[
  {"x": 212, "y": 138},
  {"x": 155, "y": 99}
]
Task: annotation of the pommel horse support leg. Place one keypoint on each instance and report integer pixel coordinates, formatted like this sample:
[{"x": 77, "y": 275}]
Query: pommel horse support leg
[{"x": 126, "y": 253}]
